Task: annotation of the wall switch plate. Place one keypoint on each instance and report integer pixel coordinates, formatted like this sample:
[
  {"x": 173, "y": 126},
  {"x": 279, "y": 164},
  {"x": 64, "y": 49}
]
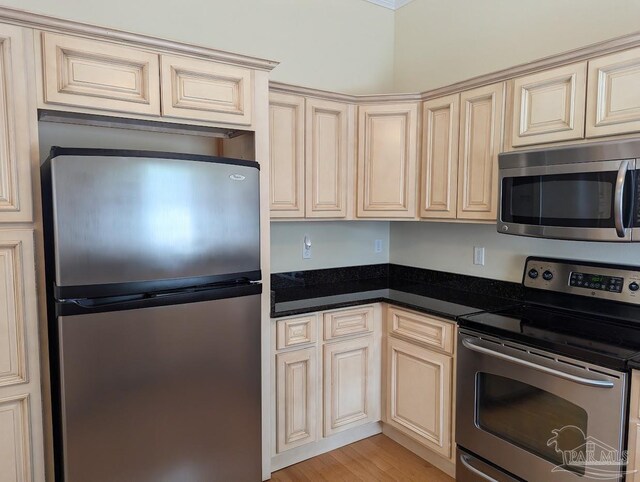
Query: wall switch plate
[
  {"x": 478, "y": 255},
  {"x": 306, "y": 247},
  {"x": 377, "y": 246}
]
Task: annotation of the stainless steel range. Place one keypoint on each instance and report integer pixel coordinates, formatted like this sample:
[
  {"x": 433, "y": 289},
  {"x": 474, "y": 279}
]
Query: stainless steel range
[{"x": 542, "y": 386}]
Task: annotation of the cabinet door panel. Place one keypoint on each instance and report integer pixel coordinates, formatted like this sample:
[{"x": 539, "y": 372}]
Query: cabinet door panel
[
  {"x": 286, "y": 114},
  {"x": 349, "y": 384},
  {"x": 326, "y": 140},
  {"x": 613, "y": 98},
  {"x": 12, "y": 313},
  {"x": 480, "y": 134},
  {"x": 17, "y": 121},
  {"x": 296, "y": 403},
  {"x": 549, "y": 106},
  {"x": 100, "y": 75},
  {"x": 419, "y": 394},
  {"x": 387, "y": 156},
  {"x": 15, "y": 446},
  {"x": 441, "y": 125},
  {"x": 204, "y": 90}
]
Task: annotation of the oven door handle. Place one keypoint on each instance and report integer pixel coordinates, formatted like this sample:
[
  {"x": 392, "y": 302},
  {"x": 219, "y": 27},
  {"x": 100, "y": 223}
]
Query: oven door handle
[
  {"x": 618, "y": 200},
  {"x": 551, "y": 371},
  {"x": 465, "y": 459}
]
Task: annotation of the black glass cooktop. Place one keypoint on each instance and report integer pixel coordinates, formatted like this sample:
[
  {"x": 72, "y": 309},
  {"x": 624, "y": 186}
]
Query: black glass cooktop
[{"x": 609, "y": 341}]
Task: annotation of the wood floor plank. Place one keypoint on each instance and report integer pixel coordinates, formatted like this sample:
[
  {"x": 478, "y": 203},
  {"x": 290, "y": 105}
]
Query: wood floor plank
[{"x": 376, "y": 458}]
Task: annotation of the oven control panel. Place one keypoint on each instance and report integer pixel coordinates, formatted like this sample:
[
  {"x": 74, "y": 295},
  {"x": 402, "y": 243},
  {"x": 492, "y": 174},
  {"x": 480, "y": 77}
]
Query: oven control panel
[{"x": 596, "y": 280}]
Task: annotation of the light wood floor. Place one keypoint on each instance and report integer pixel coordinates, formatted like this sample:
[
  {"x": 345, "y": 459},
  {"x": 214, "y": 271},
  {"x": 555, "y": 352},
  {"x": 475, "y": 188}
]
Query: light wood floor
[{"x": 376, "y": 458}]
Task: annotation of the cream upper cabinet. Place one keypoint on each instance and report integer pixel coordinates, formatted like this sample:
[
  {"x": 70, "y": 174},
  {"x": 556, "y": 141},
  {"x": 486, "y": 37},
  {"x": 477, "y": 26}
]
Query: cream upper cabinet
[
  {"x": 351, "y": 384},
  {"x": 439, "y": 181},
  {"x": 419, "y": 385},
  {"x": 387, "y": 157},
  {"x": 549, "y": 106},
  {"x": 205, "y": 90},
  {"x": 613, "y": 97},
  {"x": 17, "y": 122},
  {"x": 99, "y": 75},
  {"x": 296, "y": 391},
  {"x": 327, "y": 156},
  {"x": 481, "y": 112},
  {"x": 286, "y": 118}
]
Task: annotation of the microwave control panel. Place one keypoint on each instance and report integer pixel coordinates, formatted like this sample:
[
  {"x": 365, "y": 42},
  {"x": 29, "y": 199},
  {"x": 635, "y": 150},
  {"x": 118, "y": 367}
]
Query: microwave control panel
[{"x": 595, "y": 280}]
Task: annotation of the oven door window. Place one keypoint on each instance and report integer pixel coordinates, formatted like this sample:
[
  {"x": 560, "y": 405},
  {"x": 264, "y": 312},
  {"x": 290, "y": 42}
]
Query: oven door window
[
  {"x": 581, "y": 200},
  {"x": 535, "y": 420}
]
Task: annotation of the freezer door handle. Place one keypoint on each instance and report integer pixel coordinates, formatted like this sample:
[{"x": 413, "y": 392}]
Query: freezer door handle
[{"x": 146, "y": 300}]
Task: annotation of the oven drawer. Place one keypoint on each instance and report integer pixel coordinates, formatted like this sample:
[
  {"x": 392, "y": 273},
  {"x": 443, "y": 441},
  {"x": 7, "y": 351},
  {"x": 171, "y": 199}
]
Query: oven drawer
[
  {"x": 525, "y": 409},
  {"x": 472, "y": 469}
]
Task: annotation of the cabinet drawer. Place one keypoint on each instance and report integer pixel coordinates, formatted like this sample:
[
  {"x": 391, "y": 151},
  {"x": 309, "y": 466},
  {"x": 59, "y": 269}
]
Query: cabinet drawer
[
  {"x": 205, "y": 90},
  {"x": 99, "y": 75},
  {"x": 295, "y": 331},
  {"x": 423, "y": 329},
  {"x": 338, "y": 324}
]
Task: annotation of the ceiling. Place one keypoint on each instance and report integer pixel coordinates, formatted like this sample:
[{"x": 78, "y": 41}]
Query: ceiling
[{"x": 391, "y": 4}]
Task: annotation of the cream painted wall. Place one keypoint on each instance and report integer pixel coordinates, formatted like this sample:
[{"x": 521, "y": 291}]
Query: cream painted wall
[
  {"x": 439, "y": 42},
  {"x": 343, "y": 45},
  {"x": 449, "y": 247},
  {"x": 333, "y": 244}
]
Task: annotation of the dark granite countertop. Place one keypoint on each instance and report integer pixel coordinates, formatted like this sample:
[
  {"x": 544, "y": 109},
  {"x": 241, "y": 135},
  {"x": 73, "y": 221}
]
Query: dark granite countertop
[{"x": 436, "y": 297}]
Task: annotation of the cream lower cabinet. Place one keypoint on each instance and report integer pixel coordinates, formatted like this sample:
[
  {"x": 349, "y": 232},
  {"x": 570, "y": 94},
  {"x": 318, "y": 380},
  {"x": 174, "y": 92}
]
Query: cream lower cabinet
[
  {"x": 296, "y": 389},
  {"x": 633, "y": 446},
  {"x": 387, "y": 160},
  {"x": 327, "y": 374},
  {"x": 419, "y": 378},
  {"x": 21, "y": 432},
  {"x": 351, "y": 387}
]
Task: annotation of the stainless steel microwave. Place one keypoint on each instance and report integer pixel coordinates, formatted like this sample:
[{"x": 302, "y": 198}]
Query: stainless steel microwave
[{"x": 587, "y": 192}]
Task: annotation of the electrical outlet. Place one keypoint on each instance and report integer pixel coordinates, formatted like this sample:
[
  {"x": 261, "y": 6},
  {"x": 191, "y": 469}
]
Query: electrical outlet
[
  {"x": 377, "y": 246},
  {"x": 478, "y": 255},
  {"x": 306, "y": 247}
]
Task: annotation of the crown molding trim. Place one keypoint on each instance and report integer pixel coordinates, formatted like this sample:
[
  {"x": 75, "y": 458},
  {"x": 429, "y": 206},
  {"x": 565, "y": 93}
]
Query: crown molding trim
[
  {"x": 54, "y": 24},
  {"x": 390, "y": 4}
]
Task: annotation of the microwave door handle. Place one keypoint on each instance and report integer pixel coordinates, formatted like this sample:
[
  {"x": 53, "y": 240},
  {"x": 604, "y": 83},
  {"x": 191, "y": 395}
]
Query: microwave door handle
[
  {"x": 551, "y": 371},
  {"x": 618, "y": 201}
]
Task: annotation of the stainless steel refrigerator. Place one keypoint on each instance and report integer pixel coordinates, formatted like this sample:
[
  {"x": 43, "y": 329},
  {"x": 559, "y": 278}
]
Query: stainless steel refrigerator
[{"x": 153, "y": 285}]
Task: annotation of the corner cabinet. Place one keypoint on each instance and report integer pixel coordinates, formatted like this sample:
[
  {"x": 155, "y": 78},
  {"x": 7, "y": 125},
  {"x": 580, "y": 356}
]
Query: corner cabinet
[
  {"x": 481, "y": 113},
  {"x": 387, "y": 160}
]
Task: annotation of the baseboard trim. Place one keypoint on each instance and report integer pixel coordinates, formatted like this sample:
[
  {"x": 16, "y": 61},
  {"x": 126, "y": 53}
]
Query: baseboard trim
[
  {"x": 446, "y": 465},
  {"x": 338, "y": 440}
]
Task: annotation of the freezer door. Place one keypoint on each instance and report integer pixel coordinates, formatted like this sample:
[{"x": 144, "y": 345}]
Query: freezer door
[
  {"x": 132, "y": 219},
  {"x": 162, "y": 394}
]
